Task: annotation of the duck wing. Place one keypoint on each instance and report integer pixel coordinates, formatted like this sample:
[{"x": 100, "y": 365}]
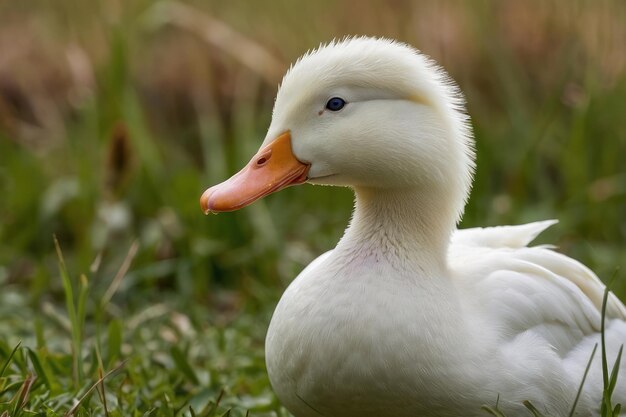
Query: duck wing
[{"x": 531, "y": 289}]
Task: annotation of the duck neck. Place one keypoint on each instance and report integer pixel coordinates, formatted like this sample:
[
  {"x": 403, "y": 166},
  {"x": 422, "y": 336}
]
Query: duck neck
[{"x": 402, "y": 226}]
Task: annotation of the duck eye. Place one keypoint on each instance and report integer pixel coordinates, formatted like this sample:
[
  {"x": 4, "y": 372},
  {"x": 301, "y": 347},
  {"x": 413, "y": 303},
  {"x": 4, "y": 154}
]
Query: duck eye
[{"x": 335, "y": 104}]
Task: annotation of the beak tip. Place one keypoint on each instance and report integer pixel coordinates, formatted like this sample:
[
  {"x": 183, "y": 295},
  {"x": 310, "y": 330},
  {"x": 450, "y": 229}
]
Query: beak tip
[
  {"x": 252, "y": 183},
  {"x": 204, "y": 201}
]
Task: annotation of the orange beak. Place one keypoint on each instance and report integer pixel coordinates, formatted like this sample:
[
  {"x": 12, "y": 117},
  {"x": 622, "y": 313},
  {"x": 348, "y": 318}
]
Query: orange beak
[{"x": 273, "y": 168}]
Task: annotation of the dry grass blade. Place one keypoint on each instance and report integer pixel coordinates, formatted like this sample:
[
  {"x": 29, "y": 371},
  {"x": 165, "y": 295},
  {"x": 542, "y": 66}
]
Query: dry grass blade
[
  {"x": 493, "y": 411},
  {"x": 220, "y": 35},
  {"x": 117, "y": 280},
  {"x": 23, "y": 394},
  {"x": 214, "y": 406},
  {"x": 102, "y": 392},
  {"x": 94, "y": 386}
]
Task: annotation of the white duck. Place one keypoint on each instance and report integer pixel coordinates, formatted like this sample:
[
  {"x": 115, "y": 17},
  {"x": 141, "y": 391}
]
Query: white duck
[{"x": 408, "y": 316}]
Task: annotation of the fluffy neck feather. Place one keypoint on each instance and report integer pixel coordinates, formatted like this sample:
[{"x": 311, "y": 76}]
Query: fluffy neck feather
[{"x": 407, "y": 227}]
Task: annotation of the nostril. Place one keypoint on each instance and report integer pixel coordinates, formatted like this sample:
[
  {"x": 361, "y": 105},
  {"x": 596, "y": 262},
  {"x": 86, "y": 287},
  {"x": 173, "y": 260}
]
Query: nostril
[{"x": 262, "y": 161}]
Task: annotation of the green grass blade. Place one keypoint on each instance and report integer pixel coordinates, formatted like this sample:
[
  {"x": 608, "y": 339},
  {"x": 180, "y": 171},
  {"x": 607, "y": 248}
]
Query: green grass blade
[
  {"x": 606, "y": 408},
  {"x": 115, "y": 337},
  {"x": 582, "y": 383},
  {"x": 39, "y": 333},
  {"x": 82, "y": 300},
  {"x": 39, "y": 369},
  {"x": 9, "y": 359},
  {"x": 183, "y": 365},
  {"x": 615, "y": 371},
  {"x": 605, "y": 371},
  {"x": 71, "y": 311},
  {"x": 78, "y": 327}
]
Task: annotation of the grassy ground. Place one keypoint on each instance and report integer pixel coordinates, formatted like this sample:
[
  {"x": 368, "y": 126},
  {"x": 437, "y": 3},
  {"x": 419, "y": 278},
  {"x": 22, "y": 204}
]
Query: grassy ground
[{"x": 114, "y": 117}]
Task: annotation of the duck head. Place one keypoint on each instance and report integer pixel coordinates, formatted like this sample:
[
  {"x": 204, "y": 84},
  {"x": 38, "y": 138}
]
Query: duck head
[{"x": 366, "y": 113}]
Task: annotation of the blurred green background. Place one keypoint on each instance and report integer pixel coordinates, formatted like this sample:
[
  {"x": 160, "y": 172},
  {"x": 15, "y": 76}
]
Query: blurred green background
[{"x": 116, "y": 115}]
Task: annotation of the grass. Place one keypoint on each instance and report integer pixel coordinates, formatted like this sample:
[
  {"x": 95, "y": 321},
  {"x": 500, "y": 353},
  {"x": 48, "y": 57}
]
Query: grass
[
  {"x": 609, "y": 375},
  {"x": 159, "y": 361},
  {"x": 115, "y": 117}
]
